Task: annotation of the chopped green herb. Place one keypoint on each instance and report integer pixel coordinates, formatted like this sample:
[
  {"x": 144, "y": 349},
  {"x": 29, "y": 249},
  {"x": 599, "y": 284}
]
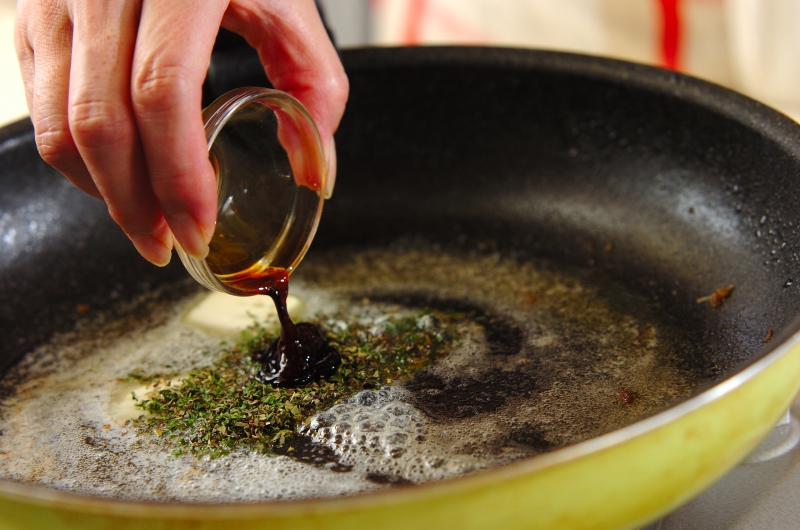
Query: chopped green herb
[{"x": 222, "y": 407}]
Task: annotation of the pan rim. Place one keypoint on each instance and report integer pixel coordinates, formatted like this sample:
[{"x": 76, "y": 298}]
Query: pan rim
[{"x": 770, "y": 123}]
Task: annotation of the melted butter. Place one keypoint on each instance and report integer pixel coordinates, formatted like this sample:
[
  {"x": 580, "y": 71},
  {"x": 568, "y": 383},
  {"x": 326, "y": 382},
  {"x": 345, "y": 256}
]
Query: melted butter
[
  {"x": 214, "y": 313},
  {"x": 227, "y": 315},
  {"x": 122, "y": 407},
  {"x": 64, "y": 425}
]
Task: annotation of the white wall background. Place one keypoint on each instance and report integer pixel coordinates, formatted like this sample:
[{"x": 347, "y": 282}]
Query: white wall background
[
  {"x": 12, "y": 92},
  {"x": 750, "y": 45}
]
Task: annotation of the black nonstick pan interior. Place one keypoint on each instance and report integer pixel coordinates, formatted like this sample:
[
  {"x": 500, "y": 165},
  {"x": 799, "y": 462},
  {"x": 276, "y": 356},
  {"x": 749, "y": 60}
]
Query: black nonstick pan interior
[{"x": 658, "y": 185}]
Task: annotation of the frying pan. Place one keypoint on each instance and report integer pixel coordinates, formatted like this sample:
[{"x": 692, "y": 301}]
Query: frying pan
[{"x": 536, "y": 154}]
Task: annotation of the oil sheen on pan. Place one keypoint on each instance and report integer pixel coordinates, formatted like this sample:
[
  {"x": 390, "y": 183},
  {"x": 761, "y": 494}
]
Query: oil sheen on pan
[{"x": 523, "y": 358}]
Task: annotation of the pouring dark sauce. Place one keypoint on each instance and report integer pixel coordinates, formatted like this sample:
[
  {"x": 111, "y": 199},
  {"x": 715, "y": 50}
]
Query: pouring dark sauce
[{"x": 301, "y": 353}]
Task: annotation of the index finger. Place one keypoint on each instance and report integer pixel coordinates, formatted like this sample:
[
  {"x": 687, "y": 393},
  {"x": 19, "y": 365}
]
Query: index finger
[{"x": 173, "y": 48}]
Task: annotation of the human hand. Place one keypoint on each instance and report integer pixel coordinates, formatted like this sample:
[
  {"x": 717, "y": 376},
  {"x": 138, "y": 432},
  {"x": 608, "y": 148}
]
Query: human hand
[{"x": 114, "y": 89}]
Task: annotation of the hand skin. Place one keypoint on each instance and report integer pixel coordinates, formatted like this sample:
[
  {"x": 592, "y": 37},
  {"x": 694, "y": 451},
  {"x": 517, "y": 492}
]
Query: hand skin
[{"x": 114, "y": 89}]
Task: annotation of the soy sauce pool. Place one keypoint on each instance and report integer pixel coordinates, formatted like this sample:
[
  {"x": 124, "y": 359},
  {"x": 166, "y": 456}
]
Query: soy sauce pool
[
  {"x": 301, "y": 353},
  {"x": 486, "y": 404}
]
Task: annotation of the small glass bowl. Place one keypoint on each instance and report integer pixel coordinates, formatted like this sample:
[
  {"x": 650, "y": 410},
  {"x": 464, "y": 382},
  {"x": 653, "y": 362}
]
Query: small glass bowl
[{"x": 270, "y": 168}]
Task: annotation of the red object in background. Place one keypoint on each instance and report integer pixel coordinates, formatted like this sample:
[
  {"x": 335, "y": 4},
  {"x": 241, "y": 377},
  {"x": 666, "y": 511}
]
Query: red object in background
[
  {"x": 416, "y": 8},
  {"x": 671, "y": 30},
  {"x": 670, "y": 34}
]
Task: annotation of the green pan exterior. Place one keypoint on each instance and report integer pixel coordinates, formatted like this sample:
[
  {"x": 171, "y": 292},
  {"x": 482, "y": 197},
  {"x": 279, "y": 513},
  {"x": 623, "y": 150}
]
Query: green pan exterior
[{"x": 624, "y": 479}]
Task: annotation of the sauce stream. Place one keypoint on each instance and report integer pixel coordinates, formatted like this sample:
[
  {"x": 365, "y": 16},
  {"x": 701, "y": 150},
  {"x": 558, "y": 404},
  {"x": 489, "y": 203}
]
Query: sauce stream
[{"x": 301, "y": 353}]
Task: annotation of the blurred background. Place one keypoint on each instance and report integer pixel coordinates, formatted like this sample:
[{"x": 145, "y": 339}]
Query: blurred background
[
  {"x": 12, "y": 93},
  {"x": 752, "y": 46}
]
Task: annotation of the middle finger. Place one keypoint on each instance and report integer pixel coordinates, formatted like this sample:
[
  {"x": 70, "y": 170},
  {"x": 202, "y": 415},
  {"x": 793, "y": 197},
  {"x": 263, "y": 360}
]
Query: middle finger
[{"x": 172, "y": 52}]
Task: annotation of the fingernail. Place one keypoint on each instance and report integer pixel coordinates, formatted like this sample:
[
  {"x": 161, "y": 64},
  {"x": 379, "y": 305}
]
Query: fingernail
[
  {"x": 189, "y": 235},
  {"x": 330, "y": 167},
  {"x": 152, "y": 249}
]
